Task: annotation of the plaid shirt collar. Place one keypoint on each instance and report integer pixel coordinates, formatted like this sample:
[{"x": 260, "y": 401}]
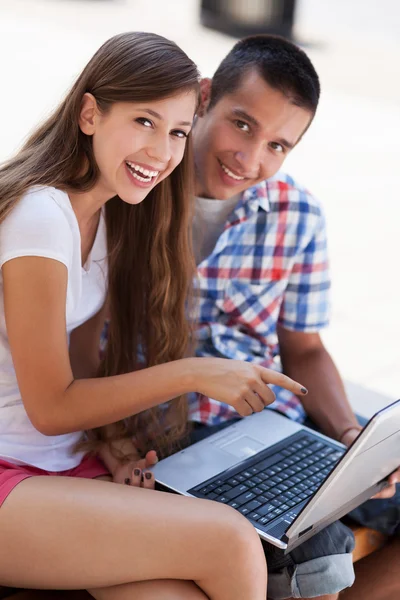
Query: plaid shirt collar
[{"x": 255, "y": 197}]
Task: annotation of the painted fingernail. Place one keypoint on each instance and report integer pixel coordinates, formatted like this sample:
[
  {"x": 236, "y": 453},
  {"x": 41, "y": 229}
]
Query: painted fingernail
[
  {"x": 147, "y": 475},
  {"x": 127, "y": 481},
  {"x": 136, "y": 472},
  {"x": 304, "y": 390}
]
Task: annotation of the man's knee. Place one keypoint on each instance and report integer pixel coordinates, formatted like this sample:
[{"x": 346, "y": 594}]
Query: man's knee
[{"x": 321, "y": 567}]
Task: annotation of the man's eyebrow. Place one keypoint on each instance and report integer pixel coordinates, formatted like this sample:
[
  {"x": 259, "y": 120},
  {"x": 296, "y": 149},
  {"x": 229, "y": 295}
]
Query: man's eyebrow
[
  {"x": 155, "y": 114},
  {"x": 285, "y": 143},
  {"x": 238, "y": 112}
]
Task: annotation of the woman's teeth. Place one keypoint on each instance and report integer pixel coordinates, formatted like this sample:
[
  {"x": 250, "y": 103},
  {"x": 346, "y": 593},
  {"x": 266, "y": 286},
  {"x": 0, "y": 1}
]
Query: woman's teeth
[
  {"x": 228, "y": 172},
  {"x": 146, "y": 176}
]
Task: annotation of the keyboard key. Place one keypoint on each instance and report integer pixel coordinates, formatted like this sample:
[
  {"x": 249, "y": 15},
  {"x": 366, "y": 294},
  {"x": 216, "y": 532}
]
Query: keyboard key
[
  {"x": 265, "y": 486},
  {"x": 276, "y": 479},
  {"x": 233, "y": 482},
  {"x": 244, "y": 498},
  {"x": 256, "y": 480},
  {"x": 249, "y": 483},
  {"x": 254, "y": 470},
  {"x": 317, "y": 446},
  {"x": 222, "y": 489},
  {"x": 265, "y": 509},
  {"x": 236, "y": 491},
  {"x": 282, "y": 487},
  {"x": 266, "y": 519},
  {"x": 244, "y": 510},
  {"x": 253, "y": 505},
  {"x": 254, "y": 516}
]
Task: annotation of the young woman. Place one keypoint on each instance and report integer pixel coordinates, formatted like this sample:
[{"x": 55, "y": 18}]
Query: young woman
[{"x": 75, "y": 232}]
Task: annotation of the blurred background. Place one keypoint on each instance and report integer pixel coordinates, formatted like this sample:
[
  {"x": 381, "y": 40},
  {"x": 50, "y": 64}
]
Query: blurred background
[{"x": 349, "y": 158}]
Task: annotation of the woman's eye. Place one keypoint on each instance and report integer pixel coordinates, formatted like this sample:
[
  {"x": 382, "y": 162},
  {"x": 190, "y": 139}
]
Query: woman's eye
[
  {"x": 179, "y": 133},
  {"x": 277, "y": 147},
  {"x": 242, "y": 125},
  {"x": 144, "y": 121}
]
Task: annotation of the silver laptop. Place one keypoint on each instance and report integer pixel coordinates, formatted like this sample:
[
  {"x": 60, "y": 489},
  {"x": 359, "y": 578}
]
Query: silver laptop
[{"x": 287, "y": 479}]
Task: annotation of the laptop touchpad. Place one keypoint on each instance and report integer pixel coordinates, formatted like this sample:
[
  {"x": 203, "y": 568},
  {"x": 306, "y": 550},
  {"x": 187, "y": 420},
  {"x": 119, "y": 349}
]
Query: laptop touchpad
[{"x": 241, "y": 447}]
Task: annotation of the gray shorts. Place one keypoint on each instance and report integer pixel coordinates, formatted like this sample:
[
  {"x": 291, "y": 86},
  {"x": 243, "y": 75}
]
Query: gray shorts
[{"x": 321, "y": 565}]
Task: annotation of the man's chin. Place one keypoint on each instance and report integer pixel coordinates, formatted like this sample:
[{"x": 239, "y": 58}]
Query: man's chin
[{"x": 228, "y": 193}]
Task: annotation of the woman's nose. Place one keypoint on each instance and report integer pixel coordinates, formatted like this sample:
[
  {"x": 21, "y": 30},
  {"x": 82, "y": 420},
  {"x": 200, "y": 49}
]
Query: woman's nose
[{"x": 160, "y": 150}]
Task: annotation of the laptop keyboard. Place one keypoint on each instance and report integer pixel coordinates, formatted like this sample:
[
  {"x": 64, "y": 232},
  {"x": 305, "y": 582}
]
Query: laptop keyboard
[{"x": 281, "y": 478}]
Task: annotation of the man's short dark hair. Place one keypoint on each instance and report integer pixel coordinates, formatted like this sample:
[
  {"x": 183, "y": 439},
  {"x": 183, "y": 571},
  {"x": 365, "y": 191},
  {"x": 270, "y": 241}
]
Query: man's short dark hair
[{"x": 282, "y": 65}]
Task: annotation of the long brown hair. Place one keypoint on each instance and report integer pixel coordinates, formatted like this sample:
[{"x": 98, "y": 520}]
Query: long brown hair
[{"x": 149, "y": 245}]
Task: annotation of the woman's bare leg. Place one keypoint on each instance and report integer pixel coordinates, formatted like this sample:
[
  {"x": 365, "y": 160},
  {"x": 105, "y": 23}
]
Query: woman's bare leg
[
  {"x": 151, "y": 590},
  {"x": 97, "y": 535}
]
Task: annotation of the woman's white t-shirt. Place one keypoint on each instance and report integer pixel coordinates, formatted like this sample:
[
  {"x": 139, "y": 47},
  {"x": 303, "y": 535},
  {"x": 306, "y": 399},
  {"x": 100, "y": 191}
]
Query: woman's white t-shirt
[{"x": 43, "y": 223}]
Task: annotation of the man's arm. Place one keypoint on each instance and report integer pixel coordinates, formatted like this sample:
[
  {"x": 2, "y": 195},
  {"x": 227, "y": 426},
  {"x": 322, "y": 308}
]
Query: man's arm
[{"x": 305, "y": 357}]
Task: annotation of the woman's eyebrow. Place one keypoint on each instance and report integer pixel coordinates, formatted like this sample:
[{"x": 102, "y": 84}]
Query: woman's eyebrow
[{"x": 155, "y": 114}]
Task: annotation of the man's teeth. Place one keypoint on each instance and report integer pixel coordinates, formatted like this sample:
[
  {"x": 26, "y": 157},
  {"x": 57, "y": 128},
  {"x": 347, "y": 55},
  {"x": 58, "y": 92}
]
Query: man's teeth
[
  {"x": 228, "y": 172},
  {"x": 136, "y": 169}
]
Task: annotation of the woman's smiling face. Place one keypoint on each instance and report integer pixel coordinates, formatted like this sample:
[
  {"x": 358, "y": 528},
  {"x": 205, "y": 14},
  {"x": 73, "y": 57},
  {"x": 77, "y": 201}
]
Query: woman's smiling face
[{"x": 137, "y": 145}]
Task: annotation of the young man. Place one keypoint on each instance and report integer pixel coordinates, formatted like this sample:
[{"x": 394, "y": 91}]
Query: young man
[{"x": 260, "y": 245}]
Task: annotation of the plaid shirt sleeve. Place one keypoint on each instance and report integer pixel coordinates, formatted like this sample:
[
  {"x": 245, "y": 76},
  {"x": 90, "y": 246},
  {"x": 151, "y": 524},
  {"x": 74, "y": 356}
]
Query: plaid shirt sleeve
[{"x": 305, "y": 305}]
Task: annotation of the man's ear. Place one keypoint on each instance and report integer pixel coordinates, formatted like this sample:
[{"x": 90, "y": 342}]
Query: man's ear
[
  {"x": 205, "y": 94},
  {"x": 87, "y": 116}
]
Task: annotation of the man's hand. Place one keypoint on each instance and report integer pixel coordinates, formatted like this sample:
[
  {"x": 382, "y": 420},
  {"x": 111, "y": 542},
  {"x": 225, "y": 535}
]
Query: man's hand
[
  {"x": 394, "y": 478},
  {"x": 135, "y": 473}
]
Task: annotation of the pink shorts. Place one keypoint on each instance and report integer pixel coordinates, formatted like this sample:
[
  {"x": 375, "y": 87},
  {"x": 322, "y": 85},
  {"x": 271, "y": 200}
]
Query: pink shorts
[{"x": 11, "y": 475}]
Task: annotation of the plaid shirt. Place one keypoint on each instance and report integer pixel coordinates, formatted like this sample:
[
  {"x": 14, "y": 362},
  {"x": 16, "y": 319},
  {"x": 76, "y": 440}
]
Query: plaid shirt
[{"x": 269, "y": 266}]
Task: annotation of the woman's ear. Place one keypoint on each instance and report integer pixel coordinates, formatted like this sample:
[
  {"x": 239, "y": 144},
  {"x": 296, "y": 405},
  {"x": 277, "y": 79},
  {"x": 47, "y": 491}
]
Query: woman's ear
[
  {"x": 87, "y": 116},
  {"x": 205, "y": 93}
]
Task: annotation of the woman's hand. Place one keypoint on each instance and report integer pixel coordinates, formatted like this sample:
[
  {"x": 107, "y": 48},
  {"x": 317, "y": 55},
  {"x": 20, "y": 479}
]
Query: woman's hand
[
  {"x": 241, "y": 384},
  {"x": 135, "y": 473}
]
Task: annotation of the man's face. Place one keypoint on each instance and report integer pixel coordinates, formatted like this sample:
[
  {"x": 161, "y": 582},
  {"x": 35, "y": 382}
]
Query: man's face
[{"x": 245, "y": 138}]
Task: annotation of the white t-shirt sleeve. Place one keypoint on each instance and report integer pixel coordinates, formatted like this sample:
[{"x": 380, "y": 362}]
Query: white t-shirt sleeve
[{"x": 36, "y": 226}]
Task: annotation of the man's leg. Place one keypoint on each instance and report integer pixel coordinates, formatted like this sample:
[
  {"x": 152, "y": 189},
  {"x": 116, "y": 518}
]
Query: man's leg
[{"x": 319, "y": 568}]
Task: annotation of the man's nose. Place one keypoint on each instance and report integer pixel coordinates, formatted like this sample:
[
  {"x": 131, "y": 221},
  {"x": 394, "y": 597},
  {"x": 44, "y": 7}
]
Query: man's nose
[
  {"x": 250, "y": 159},
  {"x": 160, "y": 150}
]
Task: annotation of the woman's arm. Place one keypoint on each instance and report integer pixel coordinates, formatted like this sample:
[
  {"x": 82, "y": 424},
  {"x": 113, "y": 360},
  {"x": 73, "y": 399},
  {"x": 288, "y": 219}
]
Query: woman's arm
[{"x": 34, "y": 303}]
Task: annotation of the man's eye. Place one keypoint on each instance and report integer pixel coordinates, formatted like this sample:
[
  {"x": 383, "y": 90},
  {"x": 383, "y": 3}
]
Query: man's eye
[
  {"x": 144, "y": 121},
  {"x": 242, "y": 125},
  {"x": 277, "y": 147},
  {"x": 179, "y": 133}
]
